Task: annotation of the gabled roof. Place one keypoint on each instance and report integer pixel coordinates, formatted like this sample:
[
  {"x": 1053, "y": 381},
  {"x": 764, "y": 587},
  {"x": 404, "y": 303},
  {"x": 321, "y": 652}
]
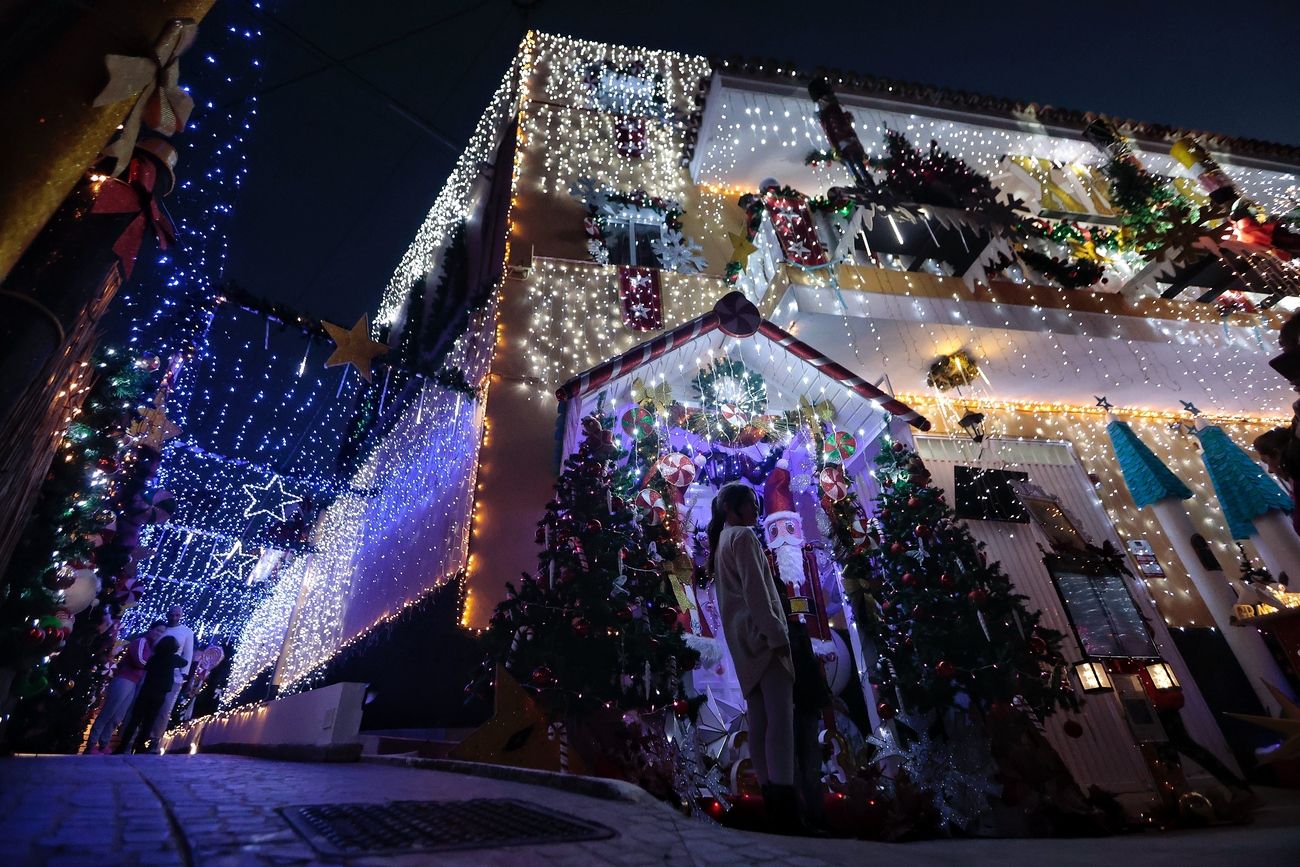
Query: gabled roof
[
  {"x": 735, "y": 316},
  {"x": 1148, "y": 479},
  {"x": 1244, "y": 490}
]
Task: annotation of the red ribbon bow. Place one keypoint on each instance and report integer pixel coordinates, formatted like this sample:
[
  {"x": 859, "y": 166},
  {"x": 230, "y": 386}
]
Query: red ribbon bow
[{"x": 136, "y": 196}]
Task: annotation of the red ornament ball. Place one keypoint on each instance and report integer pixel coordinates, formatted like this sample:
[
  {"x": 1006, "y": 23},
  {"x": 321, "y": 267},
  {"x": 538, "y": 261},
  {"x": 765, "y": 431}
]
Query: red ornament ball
[
  {"x": 668, "y": 615},
  {"x": 1038, "y": 645},
  {"x": 978, "y": 597},
  {"x": 581, "y": 627},
  {"x": 908, "y": 579},
  {"x": 681, "y": 707},
  {"x": 543, "y": 676},
  {"x": 897, "y": 548},
  {"x": 922, "y": 530},
  {"x": 946, "y": 581},
  {"x": 945, "y": 669},
  {"x": 884, "y": 514},
  {"x": 885, "y": 711},
  {"x": 616, "y": 503},
  {"x": 594, "y": 526},
  {"x": 35, "y": 636},
  {"x": 897, "y": 447},
  {"x": 999, "y": 710},
  {"x": 1073, "y": 728},
  {"x": 913, "y": 502}
]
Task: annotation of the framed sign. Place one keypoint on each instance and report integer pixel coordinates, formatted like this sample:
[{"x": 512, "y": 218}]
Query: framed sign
[
  {"x": 1145, "y": 558},
  {"x": 1104, "y": 616}
]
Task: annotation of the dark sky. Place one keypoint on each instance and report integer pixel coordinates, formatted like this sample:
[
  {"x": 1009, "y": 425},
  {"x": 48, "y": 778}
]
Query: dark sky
[{"x": 339, "y": 179}]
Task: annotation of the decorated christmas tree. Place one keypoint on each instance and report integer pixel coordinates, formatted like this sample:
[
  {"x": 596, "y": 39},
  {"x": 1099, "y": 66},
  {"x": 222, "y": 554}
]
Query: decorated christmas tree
[
  {"x": 935, "y": 177},
  {"x": 596, "y": 625},
  {"x": 949, "y": 626}
]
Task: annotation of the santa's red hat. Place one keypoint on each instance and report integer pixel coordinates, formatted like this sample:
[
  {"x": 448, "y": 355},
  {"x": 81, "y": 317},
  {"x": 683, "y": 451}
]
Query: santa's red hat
[{"x": 778, "y": 502}]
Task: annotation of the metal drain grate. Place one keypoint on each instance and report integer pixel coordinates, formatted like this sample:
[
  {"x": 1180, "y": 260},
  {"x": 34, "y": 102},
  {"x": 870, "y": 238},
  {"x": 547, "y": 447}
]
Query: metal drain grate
[{"x": 399, "y": 827}]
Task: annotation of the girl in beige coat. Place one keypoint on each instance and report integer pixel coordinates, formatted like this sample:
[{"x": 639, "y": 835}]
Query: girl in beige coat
[{"x": 753, "y": 623}]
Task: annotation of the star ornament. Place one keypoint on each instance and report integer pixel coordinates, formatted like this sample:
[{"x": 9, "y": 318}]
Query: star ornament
[
  {"x": 1288, "y": 724},
  {"x": 153, "y": 427},
  {"x": 234, "y": 564},
  {"x": 1103, "y": 402},
  {"x": 270, "y": 499},
  {"x": 1188, "y": 406},
  {"x": 741, "y": 247},
  {"x": 353, "y": 346}
]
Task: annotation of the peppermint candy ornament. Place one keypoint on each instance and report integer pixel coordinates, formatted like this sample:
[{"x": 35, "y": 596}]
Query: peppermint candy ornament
[
  {"x": 638, "y": 422},
  {"x": 677, "y": 469},
  {"x": 127, "y": 592},
  {"x": 858, "y": 529},
  {"x": 733, "y": 416},
  {"x": 159, "y": 507},
  {"x": 651, "y": 501},
  {"x": 839, "y": 447},
  {"x": 833, "y": 483}
]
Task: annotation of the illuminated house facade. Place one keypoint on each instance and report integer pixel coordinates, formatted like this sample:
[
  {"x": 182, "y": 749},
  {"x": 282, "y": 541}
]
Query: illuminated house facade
[{"x": 613, "y": 195}]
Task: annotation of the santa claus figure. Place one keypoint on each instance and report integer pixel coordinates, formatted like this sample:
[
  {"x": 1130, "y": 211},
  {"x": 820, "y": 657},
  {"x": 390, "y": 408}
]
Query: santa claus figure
[{"x": 784, "y": 528}]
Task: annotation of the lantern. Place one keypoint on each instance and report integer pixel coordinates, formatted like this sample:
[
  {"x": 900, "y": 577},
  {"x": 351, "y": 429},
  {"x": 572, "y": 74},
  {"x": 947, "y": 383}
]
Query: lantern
[{"x": 1093, "y": 677}]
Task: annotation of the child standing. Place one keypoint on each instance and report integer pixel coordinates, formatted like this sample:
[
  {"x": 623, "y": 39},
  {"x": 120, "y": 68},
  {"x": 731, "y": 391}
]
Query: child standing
[{"x": 159, "y": 677}]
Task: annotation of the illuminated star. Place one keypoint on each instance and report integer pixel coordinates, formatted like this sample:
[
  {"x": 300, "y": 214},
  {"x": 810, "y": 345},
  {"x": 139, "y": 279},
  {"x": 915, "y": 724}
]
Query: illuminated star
[
  {"x": 234, "y": 564},
  {"x": 272, "y": 492},
  {"x": 638, "y": 281},
  {"x": 1188, "y": 406},
  {"x": 353, "y": 346},
  {"x": 798, "y": 249},
  {"x": 1102, "y": 402}
]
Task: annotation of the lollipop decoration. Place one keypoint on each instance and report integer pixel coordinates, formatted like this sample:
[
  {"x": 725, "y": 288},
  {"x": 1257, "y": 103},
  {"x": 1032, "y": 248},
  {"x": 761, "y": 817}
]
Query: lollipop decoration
[
  {"x": 638, "y": 422},
  {"x": 833, "y": 483},
  {"x": 651, "y": 501},
  {"x": 840, "y": 447},
  {"x": 159, "y": 507},
  {"x": 677, "y": 469}
]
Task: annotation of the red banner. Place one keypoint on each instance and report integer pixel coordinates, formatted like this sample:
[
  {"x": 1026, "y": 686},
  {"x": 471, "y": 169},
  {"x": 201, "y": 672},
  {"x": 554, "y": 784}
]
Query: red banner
[
  {"x": 638, "y": 292},
  {"x": 795, "y": 230},
  {"x": 630, "y": 136}
]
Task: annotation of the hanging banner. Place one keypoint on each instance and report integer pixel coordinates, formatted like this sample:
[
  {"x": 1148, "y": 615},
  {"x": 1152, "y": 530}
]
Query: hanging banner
[
  {"x": 630, "y": 136},
  {"x": 639, "y": 295},
  {"x": 795, "y": 231}
]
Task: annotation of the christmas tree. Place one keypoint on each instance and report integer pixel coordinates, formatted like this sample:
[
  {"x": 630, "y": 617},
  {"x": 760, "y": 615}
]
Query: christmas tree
[
  {"x": 934, "y": 178},
  {"x": 949, "y": 626},
  {"x": 596, "y": 625}
]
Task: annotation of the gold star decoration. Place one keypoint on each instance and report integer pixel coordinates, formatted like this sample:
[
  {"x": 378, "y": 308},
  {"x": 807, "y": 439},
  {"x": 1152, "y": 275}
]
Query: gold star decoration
[
  {"x": 516, "y": 735},
  {"x": 741, "y": 247},
  {"x": 1288, "y": 724},
  {"x": 153, "y": 427},
  {"x": 353, "y": 346}
]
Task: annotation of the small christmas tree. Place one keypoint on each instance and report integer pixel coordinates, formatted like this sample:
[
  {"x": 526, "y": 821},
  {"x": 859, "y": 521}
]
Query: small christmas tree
[
  {"x": 949, "y": 626},
  {"x": 596, "y": 625},
  {"x": 934, "y": 178}
]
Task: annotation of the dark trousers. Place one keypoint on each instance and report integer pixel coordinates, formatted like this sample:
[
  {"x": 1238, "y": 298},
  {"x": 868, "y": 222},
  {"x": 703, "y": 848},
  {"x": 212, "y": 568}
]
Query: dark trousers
[{"x": 143, "y": 713}]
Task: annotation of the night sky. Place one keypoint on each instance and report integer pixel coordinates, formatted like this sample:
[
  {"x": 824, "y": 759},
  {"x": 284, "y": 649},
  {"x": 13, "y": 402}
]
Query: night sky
[{"x": 339, "y": 178}]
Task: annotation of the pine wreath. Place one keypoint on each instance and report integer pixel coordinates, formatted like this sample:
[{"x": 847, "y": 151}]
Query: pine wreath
[{"x": 728, "y": 381}]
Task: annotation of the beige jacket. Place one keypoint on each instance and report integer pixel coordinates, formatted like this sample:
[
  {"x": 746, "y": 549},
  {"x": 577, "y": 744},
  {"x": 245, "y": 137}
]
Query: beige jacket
[{"x": 752, "y": 618}]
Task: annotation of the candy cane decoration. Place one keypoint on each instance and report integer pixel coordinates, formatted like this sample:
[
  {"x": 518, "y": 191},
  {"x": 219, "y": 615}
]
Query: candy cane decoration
[
  {"x": 838, "y": 372},
  {"x": 522, "y": 634},
  {"x": 556, "y": 732}
]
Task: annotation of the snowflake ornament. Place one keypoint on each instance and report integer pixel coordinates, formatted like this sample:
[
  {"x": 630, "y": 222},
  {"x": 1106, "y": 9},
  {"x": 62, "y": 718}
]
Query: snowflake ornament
[{"x": 678, "y": 253}]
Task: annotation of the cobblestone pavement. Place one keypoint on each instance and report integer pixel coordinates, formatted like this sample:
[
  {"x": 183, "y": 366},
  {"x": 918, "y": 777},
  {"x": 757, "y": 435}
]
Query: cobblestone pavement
[{"x": 67, "y": 811}]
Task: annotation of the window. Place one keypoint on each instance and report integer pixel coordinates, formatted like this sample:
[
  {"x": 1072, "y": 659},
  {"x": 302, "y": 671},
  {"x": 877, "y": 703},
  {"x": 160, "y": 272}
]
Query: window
[
  {"x": 629, "y": 90},
  {"x": 628, "y": 240},
  {"x": 1105, "y": 618},
  {"x": 987, "y": 495}
]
